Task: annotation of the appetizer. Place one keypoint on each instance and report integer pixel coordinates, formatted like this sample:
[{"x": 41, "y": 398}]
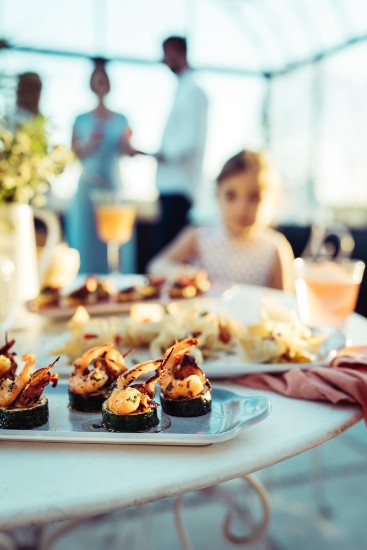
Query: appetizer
[
  {"x": 22, "y": 405},
  {"x": 92, "y": 377},
  {"x": 153, "y": 288},
  {"x": 8, "y": 364},
  {"x": 49, "y": 296},
  {"x": 185, "y": 390},
  {"x": 132, "y": 408},
  {"x": 92, "y": 291},
  {"x": 189, "y": 287},
  {"x": 127, "y": 294}
]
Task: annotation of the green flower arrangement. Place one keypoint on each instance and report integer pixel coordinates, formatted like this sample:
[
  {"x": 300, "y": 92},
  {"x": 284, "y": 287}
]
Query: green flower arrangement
[{"x": 28, "y": 163}]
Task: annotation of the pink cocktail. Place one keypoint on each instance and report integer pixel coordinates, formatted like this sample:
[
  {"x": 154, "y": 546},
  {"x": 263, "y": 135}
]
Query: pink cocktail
[{"x": 327, "y": 291}]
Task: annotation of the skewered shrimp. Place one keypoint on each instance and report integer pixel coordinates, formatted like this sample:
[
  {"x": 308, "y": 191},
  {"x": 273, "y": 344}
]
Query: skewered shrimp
[
  {"x": 10, "y": 389},
  {"x": 126, "y": 400}
]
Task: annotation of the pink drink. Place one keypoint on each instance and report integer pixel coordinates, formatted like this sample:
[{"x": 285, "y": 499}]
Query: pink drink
[{"x": 327, "y": 291}]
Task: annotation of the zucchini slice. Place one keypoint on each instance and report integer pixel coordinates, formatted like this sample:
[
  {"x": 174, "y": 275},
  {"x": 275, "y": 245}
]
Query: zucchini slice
[
  {"x": 25, "y": 418},
  {"x": 194, "y": 406},
  {"x": 88, "y": 402},
  {"x": 137, "y": 422}
]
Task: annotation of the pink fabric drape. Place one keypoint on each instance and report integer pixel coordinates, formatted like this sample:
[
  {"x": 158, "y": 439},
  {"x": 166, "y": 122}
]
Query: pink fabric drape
[{"x": 343, "y": 380}]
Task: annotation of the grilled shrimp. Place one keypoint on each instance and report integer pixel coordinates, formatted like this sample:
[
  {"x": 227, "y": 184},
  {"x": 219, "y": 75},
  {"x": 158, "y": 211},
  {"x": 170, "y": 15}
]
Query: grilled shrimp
[
  {"x": 10, "y": 389},
  {"x": 96, "y": 368},
  {"x": 175, "y": 353},
  {"x": 81, "y": 364},
  {"x": 8, "y": 365},
  {"x": 90, "y": 382},
  {"x": 35, "y": 385},
  {"x": 183, "y": 377},
  {"x": 127, "y": 400}
]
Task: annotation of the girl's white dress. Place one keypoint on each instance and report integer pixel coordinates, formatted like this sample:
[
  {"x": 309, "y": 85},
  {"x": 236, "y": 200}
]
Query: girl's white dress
[{"x": 249, "y": 260}]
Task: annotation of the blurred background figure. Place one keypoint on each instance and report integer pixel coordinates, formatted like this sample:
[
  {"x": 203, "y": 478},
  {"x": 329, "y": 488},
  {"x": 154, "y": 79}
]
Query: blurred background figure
[
  {"x": 26, "y": 108},
  {"x": 180, "y": 157},
  {"x": 28, "y": 97},
  {"x": 241, "y": 248},
  {"x": 99, "y": 139}
]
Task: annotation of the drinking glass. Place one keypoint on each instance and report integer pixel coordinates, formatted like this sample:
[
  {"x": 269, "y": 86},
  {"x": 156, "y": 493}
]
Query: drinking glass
[
  {"x": 115, "y": 217},
  {"x": 327, "y": 290}
]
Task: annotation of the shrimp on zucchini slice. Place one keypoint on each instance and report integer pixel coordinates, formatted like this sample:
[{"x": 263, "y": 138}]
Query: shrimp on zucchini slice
[
  {"x": 185, "y": 390},
  {"x": 93, "y": 375},
  {"x": 131, "y": 408},
  {"x": 22, "y": 405}
]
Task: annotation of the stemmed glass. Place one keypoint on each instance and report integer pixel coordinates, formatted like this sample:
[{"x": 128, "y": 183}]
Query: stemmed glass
[{"x": 115, "y": 217}]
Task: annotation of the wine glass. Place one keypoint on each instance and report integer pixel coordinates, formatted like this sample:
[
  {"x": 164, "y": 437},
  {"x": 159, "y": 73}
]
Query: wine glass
[{"x": 115, "y": 215}]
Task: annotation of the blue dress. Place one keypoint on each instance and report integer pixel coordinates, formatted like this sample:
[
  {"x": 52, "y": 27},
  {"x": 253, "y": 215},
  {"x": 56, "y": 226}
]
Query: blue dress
[{"x": 100, "y": 171}]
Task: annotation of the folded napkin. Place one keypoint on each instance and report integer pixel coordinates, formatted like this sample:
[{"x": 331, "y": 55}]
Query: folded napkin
[{"x": 342, "y": 380}]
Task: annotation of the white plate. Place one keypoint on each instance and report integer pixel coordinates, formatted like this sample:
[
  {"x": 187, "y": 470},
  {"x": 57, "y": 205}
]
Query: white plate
[
  {"x": 230, "y": 413},
  {"x": 242, "y": 303},
  {"x": 229, "y": 366}
]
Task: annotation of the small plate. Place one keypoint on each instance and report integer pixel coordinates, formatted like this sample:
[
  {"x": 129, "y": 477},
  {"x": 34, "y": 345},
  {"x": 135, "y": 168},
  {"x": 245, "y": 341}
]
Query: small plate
[{"x": 230, "y": 413}]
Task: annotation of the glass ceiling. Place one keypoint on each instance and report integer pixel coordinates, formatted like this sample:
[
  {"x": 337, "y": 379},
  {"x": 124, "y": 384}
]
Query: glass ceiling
[{"x": 241, "y": 35}]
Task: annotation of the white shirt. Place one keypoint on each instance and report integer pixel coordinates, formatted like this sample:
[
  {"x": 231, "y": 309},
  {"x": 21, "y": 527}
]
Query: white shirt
[{"x": 183, "y": 140}]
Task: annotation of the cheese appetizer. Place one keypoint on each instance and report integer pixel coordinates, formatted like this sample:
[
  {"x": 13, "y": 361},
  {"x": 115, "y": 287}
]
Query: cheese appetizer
[
  {"x": 185, "y": 390},
  {"x": 132, "y": 408},
  {"x": 92, "y": 377},
  {"x": 22, "y": 405}
]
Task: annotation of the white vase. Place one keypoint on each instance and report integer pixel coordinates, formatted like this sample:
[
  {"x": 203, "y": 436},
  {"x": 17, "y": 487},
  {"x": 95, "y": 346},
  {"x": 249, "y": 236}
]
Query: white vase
[{"x": 18, "y": 243}]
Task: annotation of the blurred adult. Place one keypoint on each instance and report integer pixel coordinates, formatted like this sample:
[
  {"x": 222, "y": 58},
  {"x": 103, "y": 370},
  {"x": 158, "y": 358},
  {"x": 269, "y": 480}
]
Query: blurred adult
[
  {"x": 180, "y": 156},
  {"x": 99, "y": 139},
  {"x": 28, "y": 97}
]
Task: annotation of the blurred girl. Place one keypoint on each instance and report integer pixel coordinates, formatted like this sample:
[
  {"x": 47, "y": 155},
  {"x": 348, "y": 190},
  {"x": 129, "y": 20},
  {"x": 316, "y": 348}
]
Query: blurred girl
[{"x": 242, "y": 248}]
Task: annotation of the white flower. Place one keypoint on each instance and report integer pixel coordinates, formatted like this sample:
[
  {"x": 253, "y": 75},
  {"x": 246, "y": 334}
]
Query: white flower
[{"x": 28, "y": 163}]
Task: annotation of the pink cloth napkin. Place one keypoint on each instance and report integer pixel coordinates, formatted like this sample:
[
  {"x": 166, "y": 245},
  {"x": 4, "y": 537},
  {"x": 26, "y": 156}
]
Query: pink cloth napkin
[{"x": 343, "y": 380}]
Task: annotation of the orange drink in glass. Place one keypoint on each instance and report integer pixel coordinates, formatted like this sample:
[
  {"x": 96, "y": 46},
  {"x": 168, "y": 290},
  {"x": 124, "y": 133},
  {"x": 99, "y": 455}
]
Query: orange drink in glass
[
  {"x": 115, "y": 217},
  {"x": 327, "y": 290},
  {"x": 115, "y": 222}
]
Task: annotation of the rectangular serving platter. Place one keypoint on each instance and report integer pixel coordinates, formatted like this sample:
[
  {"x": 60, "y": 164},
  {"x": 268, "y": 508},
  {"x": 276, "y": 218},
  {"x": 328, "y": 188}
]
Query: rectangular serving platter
[{"x": 231, "y": 412}]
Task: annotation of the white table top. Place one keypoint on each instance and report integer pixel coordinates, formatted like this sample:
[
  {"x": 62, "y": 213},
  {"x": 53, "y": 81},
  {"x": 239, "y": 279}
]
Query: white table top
[{"x": 44, "y": 482}]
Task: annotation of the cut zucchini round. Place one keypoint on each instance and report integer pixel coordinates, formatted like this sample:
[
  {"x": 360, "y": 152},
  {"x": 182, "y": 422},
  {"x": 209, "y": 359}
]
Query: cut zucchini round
[
  {"x": 137, "y": 422},
  {"x": 25, "y": 418},
  {"x": 87, "y": 402},
  {"x": 195, "y": 406}
]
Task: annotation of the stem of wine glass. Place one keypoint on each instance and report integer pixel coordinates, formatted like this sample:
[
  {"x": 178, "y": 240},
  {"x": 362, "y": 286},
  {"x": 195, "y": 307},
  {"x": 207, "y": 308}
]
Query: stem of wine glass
[{"x": 113, "y": 256}]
